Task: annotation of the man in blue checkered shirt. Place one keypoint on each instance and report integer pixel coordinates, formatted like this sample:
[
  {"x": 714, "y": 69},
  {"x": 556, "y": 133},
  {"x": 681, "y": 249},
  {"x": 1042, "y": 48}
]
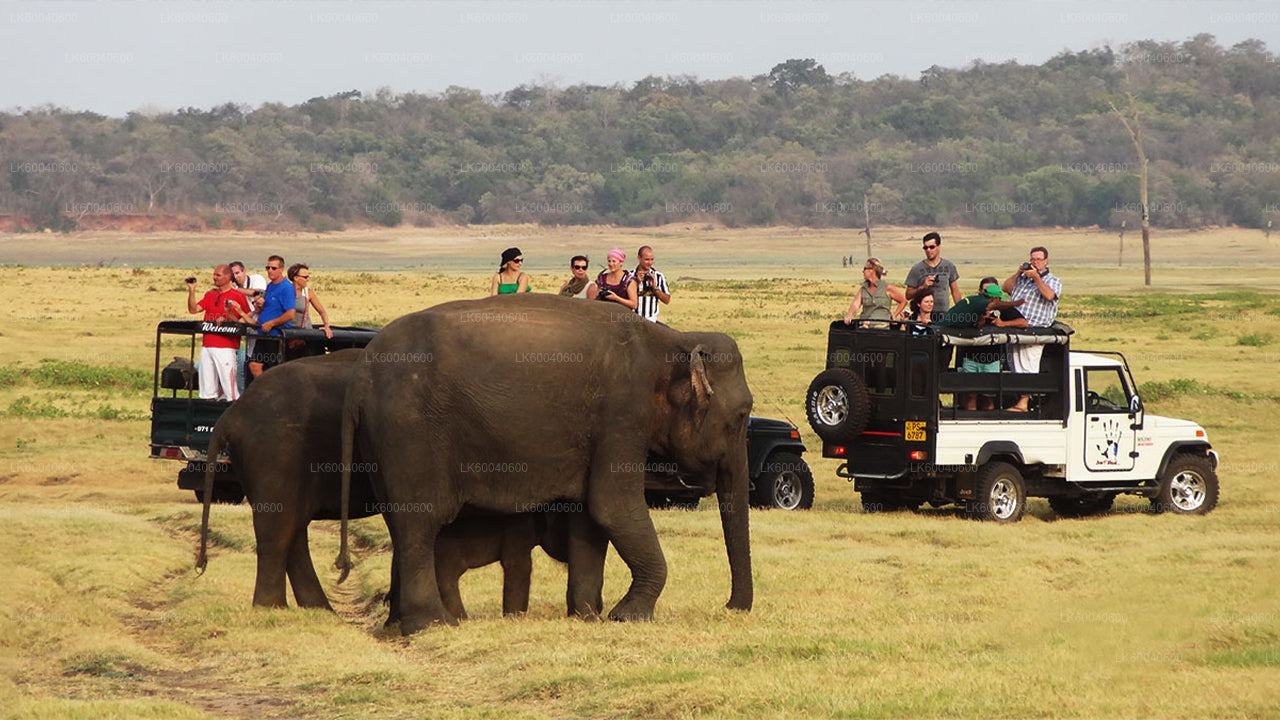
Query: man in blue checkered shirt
[{"x": 1041, "y": 289}]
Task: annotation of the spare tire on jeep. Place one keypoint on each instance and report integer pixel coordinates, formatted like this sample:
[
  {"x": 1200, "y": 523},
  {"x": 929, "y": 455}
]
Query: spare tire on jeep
[{"x": 837, "y": 405}]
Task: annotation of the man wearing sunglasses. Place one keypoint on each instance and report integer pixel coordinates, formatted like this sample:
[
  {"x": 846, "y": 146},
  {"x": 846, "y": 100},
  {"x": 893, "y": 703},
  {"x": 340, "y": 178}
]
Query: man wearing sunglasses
[
  {"x": 578, "y": 286},
  {"x": 934, "y": 274},
  {"x": 278, "y": 308}
]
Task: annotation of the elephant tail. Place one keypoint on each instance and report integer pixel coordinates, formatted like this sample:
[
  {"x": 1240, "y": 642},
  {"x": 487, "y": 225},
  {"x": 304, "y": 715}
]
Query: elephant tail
[
  {"x": 349, "y": 413},
  {"x": 216, "y": 440}
]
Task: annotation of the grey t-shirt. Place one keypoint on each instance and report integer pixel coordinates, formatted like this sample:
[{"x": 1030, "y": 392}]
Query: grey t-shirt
[{"x": 947, "y": 274}]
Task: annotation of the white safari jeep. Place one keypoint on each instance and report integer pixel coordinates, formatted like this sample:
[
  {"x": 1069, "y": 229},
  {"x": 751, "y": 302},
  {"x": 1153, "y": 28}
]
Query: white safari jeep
[{"x": 890, "y": 406}]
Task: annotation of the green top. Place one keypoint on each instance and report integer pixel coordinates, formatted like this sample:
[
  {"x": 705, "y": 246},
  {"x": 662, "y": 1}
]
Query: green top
[
  {"x": 965, "y": 313},
  {"x": 876, "y": 305},
  {"x": 509, "y": 288}
]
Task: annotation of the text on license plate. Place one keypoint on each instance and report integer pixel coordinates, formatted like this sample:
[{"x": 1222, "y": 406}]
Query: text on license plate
[{"x": 914, "y": 431}]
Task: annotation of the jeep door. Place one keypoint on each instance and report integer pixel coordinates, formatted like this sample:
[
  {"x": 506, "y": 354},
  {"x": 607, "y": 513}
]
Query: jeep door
[{"x": 1110, "y": 441}]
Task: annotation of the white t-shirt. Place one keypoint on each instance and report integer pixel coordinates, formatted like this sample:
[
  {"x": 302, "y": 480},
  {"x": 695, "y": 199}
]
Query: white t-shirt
[{"x": 259, "y": 283}]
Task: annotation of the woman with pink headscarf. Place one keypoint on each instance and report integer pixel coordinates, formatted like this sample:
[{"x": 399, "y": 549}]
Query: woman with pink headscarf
[{"x": 617, "y": 284}]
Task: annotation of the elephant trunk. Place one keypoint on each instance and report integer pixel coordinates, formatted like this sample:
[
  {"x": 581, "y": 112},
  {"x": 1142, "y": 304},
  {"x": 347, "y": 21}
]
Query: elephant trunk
[{"x": 731, "y": 492}]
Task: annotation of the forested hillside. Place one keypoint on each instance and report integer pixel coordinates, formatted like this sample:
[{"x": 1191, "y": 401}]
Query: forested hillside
[{"x": 989, "y": 145}]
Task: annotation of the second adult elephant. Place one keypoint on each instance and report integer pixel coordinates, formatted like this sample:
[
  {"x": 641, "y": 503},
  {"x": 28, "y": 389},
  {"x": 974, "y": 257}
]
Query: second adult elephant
[
  {"x": 282, "y": 440},
  {"x": 599, "y": 389}
]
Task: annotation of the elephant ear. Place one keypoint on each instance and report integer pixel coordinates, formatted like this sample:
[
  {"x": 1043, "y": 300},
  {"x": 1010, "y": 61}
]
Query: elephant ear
[{"x": 701, "y": 383}]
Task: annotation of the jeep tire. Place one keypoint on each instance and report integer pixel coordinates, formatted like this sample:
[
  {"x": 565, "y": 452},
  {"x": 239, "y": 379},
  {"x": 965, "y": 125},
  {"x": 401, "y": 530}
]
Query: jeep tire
[
  {"x": 1189, "y": 486},
  {"x": 999, "y": 494},
  {"x": 786, "y": 483},
  {"x": 837, "y": 406}
]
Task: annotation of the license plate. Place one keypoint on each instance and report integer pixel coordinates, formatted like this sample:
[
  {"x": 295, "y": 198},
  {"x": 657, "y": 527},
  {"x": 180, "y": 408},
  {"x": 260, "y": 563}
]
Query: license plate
[{"x": 914, "y": 432}]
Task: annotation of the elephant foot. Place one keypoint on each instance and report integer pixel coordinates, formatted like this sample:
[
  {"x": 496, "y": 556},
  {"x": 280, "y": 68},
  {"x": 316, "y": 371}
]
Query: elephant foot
[
  {"x": 632, "y": 611},
  {"x": 589, "y": 615},
  {"x": 410, "y": 624}
]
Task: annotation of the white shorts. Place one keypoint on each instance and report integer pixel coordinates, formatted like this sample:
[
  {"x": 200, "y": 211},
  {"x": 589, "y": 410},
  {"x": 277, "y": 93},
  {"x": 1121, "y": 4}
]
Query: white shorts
[
  {"x": 218, "y": 374},
  {"x": 1026, "y": 358}
]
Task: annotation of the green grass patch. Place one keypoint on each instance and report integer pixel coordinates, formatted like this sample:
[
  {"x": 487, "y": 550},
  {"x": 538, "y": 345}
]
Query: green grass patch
[
  {"x": 1187, "y": 387},
  {"x": 1254, "y": 340},
  {"x": 68, "y": 373}
]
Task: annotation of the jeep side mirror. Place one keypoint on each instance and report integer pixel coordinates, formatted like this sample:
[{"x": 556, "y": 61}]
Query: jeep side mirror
[{"x": 1135, "y": 409}]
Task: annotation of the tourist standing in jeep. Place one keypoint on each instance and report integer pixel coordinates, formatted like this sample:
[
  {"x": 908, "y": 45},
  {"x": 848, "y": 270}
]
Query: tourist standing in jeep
[
  {"x": 223, "y": 304},
  {"x": 1041, "y": 289},
  {"x": 934, "y": 274}
]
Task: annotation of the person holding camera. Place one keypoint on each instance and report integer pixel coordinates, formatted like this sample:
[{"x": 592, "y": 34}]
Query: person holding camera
[
  {"x": 253, "y": 286},
  {"x": 617, "y": 284},
  {"x": 651, "y": 286},
  {"x": 934, "y": 274},
  {"x": 1033, "y": 282},
  {"x": 223, "y": 304}
]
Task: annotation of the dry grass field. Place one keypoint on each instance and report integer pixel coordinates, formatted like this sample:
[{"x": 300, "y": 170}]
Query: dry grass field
[{"x": 1126, "y": 615}]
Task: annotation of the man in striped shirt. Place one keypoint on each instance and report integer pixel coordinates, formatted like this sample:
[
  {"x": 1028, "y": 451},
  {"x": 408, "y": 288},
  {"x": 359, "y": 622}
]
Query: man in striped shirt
[{"x": 651, "y": 286}]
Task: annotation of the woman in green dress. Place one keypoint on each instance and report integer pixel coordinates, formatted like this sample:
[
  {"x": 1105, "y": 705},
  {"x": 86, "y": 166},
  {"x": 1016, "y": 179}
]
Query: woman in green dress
[{"x": 509, "y": 279}]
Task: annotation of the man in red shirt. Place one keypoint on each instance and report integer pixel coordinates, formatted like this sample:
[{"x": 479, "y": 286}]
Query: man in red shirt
[{"x": 222, "y": 305}]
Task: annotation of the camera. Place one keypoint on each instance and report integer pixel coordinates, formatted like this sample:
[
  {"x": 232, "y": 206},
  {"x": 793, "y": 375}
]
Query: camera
[
  {"x": 606, "y": 292},
  {"x": 1026, "y": 266},
  {"x": 191, "y": 280}
]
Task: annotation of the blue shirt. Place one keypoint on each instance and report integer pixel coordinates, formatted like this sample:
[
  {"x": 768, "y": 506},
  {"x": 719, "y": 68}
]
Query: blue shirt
[
  {"x": 280, "y": 299},
  {"x": 1038, "y": 311}
]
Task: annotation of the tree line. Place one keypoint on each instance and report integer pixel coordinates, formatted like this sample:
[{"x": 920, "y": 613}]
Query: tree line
[{"x": 988, "y": 145}]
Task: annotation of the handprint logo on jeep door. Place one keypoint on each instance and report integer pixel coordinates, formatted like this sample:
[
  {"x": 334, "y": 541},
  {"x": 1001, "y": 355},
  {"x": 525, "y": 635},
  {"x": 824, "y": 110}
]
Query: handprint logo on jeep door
[{"x": 1109, "y": 448}]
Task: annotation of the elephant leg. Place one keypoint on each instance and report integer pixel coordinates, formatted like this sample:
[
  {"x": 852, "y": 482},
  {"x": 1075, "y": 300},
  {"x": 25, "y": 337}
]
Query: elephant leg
[
  {"x": 450, "y": 565},
  {"x": 625, "y": 519},
  {"x": 274, "y": 536},
  {"x": 393, "y": 592},
  {"x": 420, "y": 601},
  {"x": 518, "y": 539},
  {"x": 587, "y": 546},
  {"x": 302, "y": 574}
]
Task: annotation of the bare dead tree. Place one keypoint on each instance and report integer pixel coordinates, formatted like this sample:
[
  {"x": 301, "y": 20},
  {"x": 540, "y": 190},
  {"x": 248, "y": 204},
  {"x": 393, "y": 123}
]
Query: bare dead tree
[
  {"x": 1135, "y": 134},
  {"x": 1120, "y": 256},
  {"x": 866, "y": 219}
]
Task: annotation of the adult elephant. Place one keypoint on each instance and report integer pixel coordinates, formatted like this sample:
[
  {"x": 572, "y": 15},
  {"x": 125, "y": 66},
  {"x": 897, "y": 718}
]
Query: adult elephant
[
  {"x": 598, "y": 390},
  {"x": 282, "y": 438}
]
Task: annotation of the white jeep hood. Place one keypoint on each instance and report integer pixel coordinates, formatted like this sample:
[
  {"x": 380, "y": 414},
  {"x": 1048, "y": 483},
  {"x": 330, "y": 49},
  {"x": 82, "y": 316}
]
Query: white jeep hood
[{"x": 1159, "y": 422}]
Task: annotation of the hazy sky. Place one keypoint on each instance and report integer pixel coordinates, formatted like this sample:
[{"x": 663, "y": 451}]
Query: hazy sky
[{"x": 114, "y": 56}]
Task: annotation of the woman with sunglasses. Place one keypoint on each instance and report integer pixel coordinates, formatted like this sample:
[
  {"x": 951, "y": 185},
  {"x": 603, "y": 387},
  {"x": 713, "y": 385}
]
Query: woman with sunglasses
[
  {"x": 875, "y": 297},
  {"x": 578, "y": 286},
  {"x": 509, "y": 279},
  {"x": 300, "y": 276}
]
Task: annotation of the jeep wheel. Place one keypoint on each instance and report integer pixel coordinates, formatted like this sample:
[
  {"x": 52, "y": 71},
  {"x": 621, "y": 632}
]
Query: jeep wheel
[
  {"x": 785, "y": 484},
  {"x": 999, "y": 496},
  {"x": 1082, "y": 505},
  {"x": 837, "y": 405},
  {"x": 1189, "y": 486}
]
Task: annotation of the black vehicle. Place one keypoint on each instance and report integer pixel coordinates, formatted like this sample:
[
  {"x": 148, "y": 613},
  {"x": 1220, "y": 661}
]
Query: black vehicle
[
  {"x": 780, "y": 478},
  {"x": 181, "y": 423}
]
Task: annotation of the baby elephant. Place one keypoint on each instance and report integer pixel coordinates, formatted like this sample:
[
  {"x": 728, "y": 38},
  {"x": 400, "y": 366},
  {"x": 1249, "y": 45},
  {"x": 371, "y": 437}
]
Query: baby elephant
[{"x": 283, "y": 441}]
